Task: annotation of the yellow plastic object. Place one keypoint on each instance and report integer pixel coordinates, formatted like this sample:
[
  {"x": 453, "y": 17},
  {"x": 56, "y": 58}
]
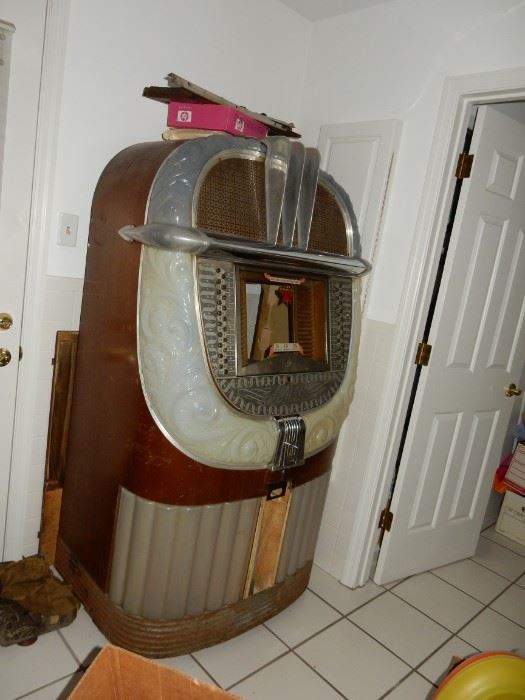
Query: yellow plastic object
[{"x": 495, "y": 675}]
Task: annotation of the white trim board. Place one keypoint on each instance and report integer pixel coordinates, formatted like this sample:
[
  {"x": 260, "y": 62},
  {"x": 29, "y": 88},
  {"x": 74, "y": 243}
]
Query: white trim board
[
  {"x": 360, "y": 156},
  {"x": 459, "y": 95}
]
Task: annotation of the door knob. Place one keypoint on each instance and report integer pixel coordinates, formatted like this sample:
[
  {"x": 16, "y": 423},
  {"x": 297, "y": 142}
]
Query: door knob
[
  {"x": 512, "y": 390},
  {"x": 6, "y": 321},
  {"x": 5, "y": 357}
]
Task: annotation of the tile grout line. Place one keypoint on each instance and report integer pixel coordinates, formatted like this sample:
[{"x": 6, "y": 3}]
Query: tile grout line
[
  {"x": 492, "y": 570},
  {"x": 317, "y": 673},
  {"x": 423, "y": 612},
  {"x": 290, "y": 650},
  {"x": 503, "y": 545},
  {"x": 433, "y": 686},
  {"x": 353, "y": 609},
  {"x": 81, "y": 666},
  {"x": 252, "y": 673},
  {"x": 485, "y": 607},
  {"x": 418, "y": 667},
  {"x": 462, "y": 590},
  {"x": 307, "y": 639},
  {"x": 402, "y": 680},
  {"x": 378, "y": 641},
  {"x": 205, "y": 670},
  {"x": 46, "y": 685}
]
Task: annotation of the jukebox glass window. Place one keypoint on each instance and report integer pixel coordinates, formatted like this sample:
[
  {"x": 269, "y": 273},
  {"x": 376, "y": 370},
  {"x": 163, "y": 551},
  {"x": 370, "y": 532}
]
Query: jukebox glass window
[{"x": 283, "y": 325}]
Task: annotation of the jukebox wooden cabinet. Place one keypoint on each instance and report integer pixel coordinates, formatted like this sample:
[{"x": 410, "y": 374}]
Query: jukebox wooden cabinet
[{"x": 215, "y": 365}]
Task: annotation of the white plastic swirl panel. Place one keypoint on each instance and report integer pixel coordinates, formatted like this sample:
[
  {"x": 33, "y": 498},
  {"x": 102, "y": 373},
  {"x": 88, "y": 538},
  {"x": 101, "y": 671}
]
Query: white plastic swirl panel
[
  {"x": 179, "y": 390},
  {"x": 173, "y": 319}
]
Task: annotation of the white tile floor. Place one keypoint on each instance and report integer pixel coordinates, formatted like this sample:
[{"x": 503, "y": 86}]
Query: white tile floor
[{"x": 375, "y": 642}]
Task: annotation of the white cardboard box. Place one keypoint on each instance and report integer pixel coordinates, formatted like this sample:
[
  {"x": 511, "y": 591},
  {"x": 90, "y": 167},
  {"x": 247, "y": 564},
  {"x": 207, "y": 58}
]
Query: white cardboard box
[{"x": 511, "y": 520}]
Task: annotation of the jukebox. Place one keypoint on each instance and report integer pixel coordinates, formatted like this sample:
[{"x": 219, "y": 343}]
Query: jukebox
[{"x": 216, "y": 361}]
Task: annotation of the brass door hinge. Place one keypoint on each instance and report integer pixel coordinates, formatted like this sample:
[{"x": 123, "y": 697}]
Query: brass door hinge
[
  {"x": 423, "y": 354},
  {"x": 385, "y": 519},
  {"x": 464, "y": 165}
]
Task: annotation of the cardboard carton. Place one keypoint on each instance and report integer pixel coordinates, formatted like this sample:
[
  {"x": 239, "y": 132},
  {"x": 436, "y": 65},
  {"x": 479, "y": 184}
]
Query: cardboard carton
[
  {"x": 511, "y": 520},
  {"x": 121, "y": 675}
]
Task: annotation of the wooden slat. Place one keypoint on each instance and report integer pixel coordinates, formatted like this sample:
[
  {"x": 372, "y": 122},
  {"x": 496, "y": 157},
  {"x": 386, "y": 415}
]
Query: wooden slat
[
  {"x": 273, "y": 516},
  {"x": 59, "y": 419},
  {"x": 60, "y": 413}
]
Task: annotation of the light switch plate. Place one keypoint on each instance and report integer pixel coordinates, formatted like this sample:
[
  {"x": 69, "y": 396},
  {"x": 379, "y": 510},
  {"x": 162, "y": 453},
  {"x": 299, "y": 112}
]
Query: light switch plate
[{"x": 67, "y": 229}]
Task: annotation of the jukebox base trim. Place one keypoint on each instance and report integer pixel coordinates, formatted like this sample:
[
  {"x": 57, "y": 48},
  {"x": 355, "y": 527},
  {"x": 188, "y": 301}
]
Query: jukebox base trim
[{"x": 160, "y": 638}]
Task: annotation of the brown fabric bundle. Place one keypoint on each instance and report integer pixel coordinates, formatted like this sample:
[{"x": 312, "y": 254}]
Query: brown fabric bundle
[{"x": 32, "y": 585}]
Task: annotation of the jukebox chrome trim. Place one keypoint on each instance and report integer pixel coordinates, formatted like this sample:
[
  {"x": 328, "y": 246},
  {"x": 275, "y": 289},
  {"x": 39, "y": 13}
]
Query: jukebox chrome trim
[{"x": 174, "y": 371}]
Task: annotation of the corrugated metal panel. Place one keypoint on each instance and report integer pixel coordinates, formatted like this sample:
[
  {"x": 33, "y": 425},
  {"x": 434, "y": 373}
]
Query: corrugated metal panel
[
  {"x": 320, "y": 499},
  {"x": 121, "y": 546},
  {"x": 171, "y": 561},
  {"x": 137, "y": 568},
  {"x": 182, "y": 553}
]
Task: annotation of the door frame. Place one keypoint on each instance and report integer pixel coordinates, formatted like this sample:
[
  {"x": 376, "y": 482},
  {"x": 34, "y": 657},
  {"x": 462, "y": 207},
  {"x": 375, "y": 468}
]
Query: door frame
[
  {"x": 53, "y": 64},
  {"x": 459, "y": 95}
]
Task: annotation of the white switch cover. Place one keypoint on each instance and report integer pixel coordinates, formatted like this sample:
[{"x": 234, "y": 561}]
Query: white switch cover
[{"x": 67, "y": 229}]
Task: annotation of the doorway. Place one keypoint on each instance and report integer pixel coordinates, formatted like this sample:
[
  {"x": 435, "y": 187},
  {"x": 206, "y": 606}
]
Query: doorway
[
  {"x": 461, "y": 411},
  {"x": 459, "y": 95}
]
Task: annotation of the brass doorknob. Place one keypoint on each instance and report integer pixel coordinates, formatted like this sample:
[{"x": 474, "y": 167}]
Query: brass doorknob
[
  {"x": 512, "y": 390},
  {"x": 5, "y": 357},
  {"x": 6, "y": 321}
]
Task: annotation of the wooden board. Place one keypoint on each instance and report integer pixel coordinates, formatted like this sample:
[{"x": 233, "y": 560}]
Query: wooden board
[
  {"x": 267, "y": 543},
  {"x": 57, "y": 439},
  {"x": 181, "y": 90}
]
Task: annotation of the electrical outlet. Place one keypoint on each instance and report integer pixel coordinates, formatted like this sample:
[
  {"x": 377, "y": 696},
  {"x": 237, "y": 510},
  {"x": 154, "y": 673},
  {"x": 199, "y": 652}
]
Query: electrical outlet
[{"x": 67, "y": 229}]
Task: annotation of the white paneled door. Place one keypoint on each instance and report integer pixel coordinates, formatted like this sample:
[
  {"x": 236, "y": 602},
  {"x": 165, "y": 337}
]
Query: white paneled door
[
  {"x": 20, "y": 85},
  {"x": 461, "y": 412}
]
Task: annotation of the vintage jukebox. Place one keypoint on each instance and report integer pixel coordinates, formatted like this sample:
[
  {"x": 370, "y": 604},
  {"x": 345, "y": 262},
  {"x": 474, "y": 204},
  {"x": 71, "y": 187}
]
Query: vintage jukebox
[{"x": 216, "y": 361}]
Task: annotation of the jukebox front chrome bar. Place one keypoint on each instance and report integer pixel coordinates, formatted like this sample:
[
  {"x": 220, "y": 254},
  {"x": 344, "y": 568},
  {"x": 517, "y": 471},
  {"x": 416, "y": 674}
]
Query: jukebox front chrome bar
[{"x": 196, "y": 241}]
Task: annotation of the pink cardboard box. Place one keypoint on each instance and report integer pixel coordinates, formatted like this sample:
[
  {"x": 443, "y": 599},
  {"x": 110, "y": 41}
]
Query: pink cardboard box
[{"x": 191, "y": 115}]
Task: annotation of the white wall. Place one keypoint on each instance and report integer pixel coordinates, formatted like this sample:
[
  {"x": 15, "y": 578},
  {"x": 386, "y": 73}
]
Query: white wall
[
  {"x": 390, "y": 62},
  {"x": 252, "y": 54}
]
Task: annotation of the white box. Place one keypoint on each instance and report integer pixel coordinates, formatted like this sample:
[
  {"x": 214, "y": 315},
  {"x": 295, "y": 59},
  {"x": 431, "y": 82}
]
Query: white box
[{"x": 511, "y": 520}]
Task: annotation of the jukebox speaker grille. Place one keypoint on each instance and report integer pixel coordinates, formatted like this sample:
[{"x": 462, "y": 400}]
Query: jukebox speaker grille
[
  {"x": 328, "y": 230},
  {"x": 231, "y": 201}
]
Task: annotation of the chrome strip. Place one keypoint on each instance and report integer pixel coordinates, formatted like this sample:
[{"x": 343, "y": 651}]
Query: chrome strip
[
  {"x": 293, "y": 190},
  {"x": 185, "y": 239},
  {"x": 307, "y": 197},
  {"x": 290, "y": 442},
  {"x": 278, "y": 150}
]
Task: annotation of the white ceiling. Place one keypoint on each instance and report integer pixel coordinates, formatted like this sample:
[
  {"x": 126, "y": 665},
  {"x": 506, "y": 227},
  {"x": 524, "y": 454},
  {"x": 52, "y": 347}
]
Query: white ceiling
[{"x": 315, "y": 10}]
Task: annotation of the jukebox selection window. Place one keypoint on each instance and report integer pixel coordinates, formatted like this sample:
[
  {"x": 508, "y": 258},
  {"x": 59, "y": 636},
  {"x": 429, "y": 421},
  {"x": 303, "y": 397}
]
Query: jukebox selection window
[{"x": 282, "y": 317}]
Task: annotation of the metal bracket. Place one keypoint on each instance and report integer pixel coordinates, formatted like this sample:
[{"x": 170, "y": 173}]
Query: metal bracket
[
  {"x": 464, "y": 165},
  {"x": 385, "y": 519},
  {"x": 290, "y": 443},
  {"x": 423, "y": 354}
]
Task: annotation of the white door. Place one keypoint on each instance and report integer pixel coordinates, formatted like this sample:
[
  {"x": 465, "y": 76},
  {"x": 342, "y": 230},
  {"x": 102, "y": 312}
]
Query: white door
[
  {"x": 461, "y": 412},
  {"x": 20, "y": 119}
]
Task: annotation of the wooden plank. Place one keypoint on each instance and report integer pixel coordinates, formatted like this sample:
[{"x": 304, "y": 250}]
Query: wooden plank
[
  {"x": 50, "y": 519},
  {"x": 61, "y": 397},
  {"x": 57, "y": 439},
  {"x": 268, "y": 543}
]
